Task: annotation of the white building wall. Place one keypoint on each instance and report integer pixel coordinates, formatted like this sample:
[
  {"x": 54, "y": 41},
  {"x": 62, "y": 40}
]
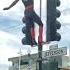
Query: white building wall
[
  {"x": 23, "y": 67},
  {"x": 65, "y": 61}
]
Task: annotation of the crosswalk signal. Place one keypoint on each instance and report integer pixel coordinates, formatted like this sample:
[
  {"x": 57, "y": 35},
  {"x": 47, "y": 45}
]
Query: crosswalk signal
[{"x": 52, "y": 23}]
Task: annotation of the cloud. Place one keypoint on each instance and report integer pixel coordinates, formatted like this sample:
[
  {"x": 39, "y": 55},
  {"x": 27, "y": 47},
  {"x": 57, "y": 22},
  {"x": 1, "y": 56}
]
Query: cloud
[{"x": 9, "y": 46}]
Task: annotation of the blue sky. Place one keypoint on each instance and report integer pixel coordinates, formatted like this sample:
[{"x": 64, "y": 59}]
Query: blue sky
[{"x": 11, "y": 26}]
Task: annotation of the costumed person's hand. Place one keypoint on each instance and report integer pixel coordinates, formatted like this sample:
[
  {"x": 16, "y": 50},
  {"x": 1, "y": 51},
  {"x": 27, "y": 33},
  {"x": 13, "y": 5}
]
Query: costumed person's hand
[{"x": 7, "y": 8}]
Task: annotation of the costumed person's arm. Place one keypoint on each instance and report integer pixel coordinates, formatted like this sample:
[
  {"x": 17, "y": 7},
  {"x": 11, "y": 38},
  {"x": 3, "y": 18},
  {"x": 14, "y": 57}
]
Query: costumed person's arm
[{"x": 14, "y": 3}]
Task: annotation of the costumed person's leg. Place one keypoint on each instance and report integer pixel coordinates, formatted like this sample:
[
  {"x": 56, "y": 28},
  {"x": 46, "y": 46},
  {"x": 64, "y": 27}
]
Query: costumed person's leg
[
  {"x": 26, "y": 20},
  {"x": 40, "y": 38},
  {"x": 33, "y": 33},
  {"x": 30, "y": 25},
  {"x": 39, "y": 22}
]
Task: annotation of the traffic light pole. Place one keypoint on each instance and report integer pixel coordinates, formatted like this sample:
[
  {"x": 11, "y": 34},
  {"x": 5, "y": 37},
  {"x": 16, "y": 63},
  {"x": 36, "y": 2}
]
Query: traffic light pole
[
  {"x": 40, "y": 45},
  {"x": 40, "y": 56}
]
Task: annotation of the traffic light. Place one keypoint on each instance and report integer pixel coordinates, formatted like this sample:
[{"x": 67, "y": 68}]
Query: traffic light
[
  {"x": 27, "y": 40},
  {"x": 52, "y": 23}
]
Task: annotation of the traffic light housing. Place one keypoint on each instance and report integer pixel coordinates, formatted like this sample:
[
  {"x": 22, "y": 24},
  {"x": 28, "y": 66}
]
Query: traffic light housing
[
  {"x": 27, "y": 40},
  {"x": 52, "y": 23}
]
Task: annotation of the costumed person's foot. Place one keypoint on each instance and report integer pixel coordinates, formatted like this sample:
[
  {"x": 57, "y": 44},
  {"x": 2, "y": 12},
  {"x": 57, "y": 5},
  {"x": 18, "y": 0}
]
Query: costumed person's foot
[{"x": 34, "y": 43}]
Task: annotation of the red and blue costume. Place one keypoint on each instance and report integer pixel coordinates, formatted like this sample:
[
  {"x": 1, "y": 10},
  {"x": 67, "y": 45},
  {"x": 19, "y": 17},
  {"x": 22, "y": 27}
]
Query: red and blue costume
[{"x": 31, "y": 17}]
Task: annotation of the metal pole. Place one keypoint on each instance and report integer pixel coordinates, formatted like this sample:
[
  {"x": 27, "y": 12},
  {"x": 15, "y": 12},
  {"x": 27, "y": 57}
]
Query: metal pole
[
  {"x": 40, "y": 45},
  {"x": 40, "y": 56},
  {"x": 40, "y": 7},
  {"x": 29, "y": 56},
  {"x": 20, "y": 53},
  {"x": 19, "y": 61}
]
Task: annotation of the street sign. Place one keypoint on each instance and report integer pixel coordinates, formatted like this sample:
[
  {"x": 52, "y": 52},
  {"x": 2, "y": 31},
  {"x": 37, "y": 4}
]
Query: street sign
[
  {"x": 53, "y": 46},
  {"x": 55, "y": 52}
]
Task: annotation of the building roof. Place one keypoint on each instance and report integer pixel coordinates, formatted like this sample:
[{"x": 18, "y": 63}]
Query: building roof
[{"x": 23, "y": 57}]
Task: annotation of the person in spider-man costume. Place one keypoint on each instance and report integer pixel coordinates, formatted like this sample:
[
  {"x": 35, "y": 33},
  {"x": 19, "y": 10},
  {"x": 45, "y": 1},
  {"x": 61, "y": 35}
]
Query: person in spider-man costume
[{"x": 30, "y": 17}]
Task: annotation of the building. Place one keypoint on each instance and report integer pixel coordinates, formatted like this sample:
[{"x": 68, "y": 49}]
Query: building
[
  {"x": 29, "y": 62},
  {"x": 24, "y": 62}
]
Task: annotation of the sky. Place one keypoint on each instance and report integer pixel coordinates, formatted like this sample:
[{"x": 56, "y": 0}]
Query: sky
[{"x": 11, "y": 28}]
